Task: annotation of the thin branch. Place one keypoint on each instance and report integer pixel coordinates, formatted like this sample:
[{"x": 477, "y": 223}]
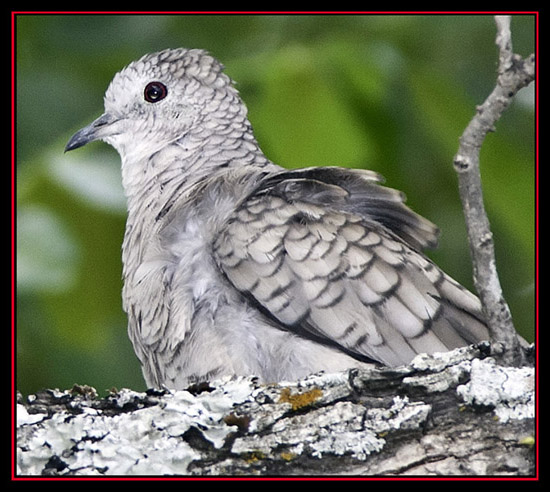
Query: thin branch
[{"x": 514, "y": 72}]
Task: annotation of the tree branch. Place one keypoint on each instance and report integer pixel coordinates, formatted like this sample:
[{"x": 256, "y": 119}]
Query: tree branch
[
  {"x": 455, "y": 413},
  {"x": 514, "y": 72}
]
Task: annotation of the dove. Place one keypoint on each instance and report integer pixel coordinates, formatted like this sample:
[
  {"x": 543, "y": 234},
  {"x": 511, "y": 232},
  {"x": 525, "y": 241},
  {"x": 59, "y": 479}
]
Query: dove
[{"x": 236, "y": 266}]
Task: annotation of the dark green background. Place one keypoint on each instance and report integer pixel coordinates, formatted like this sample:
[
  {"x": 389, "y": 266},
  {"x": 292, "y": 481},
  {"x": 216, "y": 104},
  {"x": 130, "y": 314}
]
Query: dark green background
[{"x": 388, "y": 93}]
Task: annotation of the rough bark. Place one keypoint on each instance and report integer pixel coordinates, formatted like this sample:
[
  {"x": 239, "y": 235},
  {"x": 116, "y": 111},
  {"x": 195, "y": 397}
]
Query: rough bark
[{"x": 457, "y": 413}]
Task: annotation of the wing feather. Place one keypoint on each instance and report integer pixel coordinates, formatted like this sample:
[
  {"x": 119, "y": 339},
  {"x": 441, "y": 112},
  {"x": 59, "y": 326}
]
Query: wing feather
[{"x": 336, "y": 255}]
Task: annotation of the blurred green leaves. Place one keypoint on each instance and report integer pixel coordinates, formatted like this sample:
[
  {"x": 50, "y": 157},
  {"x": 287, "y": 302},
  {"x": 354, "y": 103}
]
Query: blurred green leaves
[
  {"x": 309, "y": 121},
  {"x": 48, "y": 264},
  {"x": 388, "y": 93}
]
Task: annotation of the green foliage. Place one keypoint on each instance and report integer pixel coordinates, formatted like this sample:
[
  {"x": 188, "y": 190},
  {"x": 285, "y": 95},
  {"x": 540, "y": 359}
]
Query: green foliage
[{"x": 388, "y": 93}]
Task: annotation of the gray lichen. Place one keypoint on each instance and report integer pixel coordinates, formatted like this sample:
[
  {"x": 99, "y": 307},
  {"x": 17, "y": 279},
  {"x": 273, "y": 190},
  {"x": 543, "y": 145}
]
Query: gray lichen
[
  {"x": 433, "y": 416},
  {"x": 510, "y": 391}
]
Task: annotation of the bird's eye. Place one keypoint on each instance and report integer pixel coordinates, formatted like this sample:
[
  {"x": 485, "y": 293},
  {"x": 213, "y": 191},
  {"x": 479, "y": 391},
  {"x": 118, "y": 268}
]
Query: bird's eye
[{"x": 155, "y": 92}]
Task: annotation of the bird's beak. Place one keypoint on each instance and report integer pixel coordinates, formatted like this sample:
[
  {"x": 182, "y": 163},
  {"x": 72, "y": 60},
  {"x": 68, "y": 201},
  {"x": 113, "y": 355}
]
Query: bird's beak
[{"x": 98, "y": 129}]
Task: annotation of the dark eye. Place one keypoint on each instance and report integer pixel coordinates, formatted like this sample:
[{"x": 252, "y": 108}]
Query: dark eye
[{"x": 154, "y": 92}]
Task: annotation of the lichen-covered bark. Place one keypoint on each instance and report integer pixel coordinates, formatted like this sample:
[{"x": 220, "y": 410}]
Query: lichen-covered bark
[{"x": 457, "y": 413}]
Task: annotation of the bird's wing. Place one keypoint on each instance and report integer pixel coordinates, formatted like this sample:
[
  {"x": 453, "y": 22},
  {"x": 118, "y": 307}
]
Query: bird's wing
[{"x": 330, "y": 253}]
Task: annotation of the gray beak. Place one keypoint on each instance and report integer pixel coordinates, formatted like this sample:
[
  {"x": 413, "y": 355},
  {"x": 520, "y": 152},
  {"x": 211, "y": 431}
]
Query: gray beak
[{"x": 96, "y": 130}]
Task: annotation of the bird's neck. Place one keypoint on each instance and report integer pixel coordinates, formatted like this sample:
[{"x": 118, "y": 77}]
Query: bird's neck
[
  {"x": 168, "y": 178},
  {"x": 183, "y": 164}
]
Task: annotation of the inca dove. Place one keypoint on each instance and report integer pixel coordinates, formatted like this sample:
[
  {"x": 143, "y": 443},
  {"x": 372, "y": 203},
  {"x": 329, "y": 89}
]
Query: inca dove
[{"x": 236, "y": 266}]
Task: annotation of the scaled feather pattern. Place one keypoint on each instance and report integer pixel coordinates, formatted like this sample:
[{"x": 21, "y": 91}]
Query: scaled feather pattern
[{"x": 234, "y": 265}]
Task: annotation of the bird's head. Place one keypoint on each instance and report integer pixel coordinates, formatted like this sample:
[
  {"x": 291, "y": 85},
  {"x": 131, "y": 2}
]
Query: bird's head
[{"x": 159, "y": 99}]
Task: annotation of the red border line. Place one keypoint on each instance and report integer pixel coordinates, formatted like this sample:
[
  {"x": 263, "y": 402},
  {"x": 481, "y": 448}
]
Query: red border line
[{"x": 14, "y": 477}]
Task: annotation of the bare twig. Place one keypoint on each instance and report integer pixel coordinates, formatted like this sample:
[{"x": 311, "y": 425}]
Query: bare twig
[{"x": 514, "y": 72}]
